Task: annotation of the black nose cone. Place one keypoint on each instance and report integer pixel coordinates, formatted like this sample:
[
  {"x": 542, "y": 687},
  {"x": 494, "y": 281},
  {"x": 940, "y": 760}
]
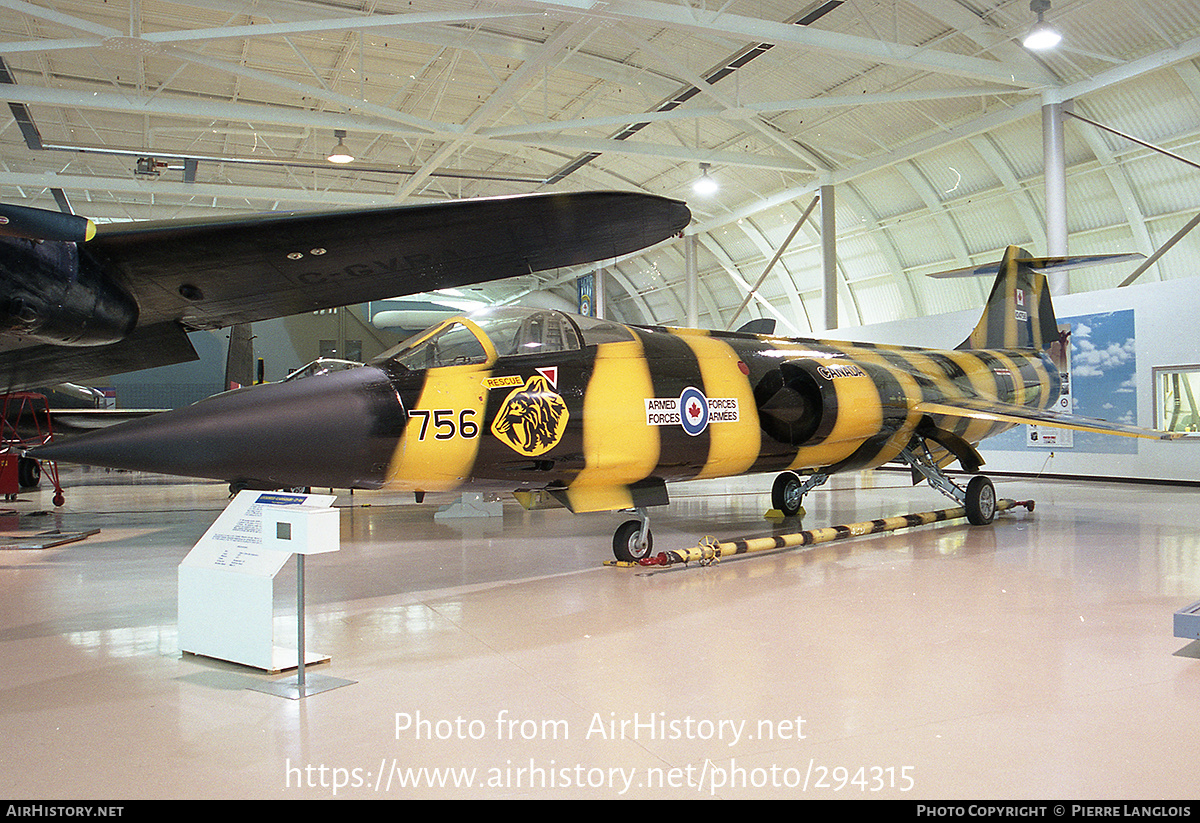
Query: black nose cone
[{"x": 337, "y": 430}]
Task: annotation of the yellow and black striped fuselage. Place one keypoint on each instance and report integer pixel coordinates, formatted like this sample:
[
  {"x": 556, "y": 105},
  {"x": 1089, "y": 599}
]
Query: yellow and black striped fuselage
[
  {"x": 598, "y": 414},
  {"x": 599, "y": 423}
]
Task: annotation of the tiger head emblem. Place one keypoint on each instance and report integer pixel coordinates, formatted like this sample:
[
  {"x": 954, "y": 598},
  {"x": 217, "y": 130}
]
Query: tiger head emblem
[{"x": 532, "y": 419}]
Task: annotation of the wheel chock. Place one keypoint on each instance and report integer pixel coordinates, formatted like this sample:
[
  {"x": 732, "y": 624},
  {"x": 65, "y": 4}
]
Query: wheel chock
[{"x": 776, "y": 516}]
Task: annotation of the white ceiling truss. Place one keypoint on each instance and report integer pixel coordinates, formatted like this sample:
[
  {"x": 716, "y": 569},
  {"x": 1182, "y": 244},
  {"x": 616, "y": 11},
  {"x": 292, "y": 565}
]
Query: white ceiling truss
[{"x": 925, "y": 117}]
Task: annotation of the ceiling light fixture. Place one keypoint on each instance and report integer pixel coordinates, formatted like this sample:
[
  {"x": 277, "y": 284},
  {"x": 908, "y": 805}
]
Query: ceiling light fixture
[
  {"x": 339, "y": 153},
  {"x": 705, "y": 186},
  {"x": 1042, "y": 35}
]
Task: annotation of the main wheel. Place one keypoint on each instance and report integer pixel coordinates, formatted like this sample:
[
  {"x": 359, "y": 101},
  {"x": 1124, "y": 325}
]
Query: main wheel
[
  {"x": 981, "y": 501},
  {"x": 786, "y": 494},
  {"x": 626, "y": 541},
  {"x": 29, "y": 473}
]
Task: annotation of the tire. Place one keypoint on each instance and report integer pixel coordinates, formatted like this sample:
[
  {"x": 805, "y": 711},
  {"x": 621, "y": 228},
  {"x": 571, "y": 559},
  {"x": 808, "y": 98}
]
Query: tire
[
  {"x": 29, "y": 473},
  {"x": 981, "y": 501},
  {"x": 625, "y": 542},
  {"x": 786, "y": 495}
]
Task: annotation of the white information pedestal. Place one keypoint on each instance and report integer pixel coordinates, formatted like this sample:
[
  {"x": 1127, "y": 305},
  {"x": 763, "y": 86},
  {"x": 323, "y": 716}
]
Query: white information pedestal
[{"x": 227, "y": 581}]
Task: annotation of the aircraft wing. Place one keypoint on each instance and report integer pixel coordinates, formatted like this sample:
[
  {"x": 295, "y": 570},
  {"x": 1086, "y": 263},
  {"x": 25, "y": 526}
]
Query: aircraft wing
[
  {"x": 187, "y": 275},
  {"x": 244, "y": 269},
  {"x": 981, "y": 409}
]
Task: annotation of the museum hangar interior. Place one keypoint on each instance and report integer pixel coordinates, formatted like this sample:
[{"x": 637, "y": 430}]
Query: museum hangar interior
[{"x": 851, "y": 148}]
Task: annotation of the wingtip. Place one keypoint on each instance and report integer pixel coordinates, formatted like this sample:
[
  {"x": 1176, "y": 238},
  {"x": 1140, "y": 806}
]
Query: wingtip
[{"x": 681, "y": 215}]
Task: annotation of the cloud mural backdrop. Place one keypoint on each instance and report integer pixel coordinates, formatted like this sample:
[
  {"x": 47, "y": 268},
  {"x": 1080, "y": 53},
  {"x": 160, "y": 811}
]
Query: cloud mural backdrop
[{"x": 1103, "y": 369}]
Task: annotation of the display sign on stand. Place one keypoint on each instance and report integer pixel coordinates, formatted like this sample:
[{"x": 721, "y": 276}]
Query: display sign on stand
[{"x": 227, "y": 583}]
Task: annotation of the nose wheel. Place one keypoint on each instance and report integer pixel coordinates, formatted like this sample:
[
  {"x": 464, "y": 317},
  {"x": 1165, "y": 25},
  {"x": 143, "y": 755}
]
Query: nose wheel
[
  {"x": 787, "y": 493},
  {"x": 633, "y": 541}
]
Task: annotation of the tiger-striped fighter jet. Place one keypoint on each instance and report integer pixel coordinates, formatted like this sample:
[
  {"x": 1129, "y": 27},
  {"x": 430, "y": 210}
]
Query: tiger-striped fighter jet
[{"x": 599, "y": 416}]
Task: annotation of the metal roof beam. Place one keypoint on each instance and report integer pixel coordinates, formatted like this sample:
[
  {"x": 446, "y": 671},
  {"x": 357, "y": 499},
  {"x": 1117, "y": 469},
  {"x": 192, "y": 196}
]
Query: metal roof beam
[
  {"x": 769, "y": 107},
  {"x": 279, "y": 115},
  {"x": 803, "y": 37},
  {"x": 497, "y": 99},
  {"x": 270, "y": 194},
  {"x": 476, "y": 38},
  {"x": 198, "y": 109},
  {"x": 1153, "y": 62},
  {"x": 165, "y": 39}
]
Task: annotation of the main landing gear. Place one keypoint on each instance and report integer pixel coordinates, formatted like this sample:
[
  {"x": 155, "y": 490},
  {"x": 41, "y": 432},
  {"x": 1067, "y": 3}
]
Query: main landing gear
[
  {"x": 978, "y": 498},
  {"x": 633, "y": 541}
]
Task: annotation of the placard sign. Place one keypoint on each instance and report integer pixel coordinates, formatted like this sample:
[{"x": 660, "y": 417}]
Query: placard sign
[{"x": 226, "y": 584}]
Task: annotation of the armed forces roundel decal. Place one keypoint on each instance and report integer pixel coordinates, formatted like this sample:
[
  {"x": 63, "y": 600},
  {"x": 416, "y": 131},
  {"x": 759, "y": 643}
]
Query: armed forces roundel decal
[
  {"x": 532, "y": 419},
  {"x": 691, "y": 410}
]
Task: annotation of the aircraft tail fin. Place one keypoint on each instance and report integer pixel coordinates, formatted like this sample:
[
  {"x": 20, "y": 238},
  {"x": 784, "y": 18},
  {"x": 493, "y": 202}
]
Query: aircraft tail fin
[{"x": 1019, "y": 314}]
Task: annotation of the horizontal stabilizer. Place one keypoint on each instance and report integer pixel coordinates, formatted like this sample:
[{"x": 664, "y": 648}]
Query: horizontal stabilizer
[
  {"x": 980, "y": 409},
  {"x": 1044, "y": 265}
]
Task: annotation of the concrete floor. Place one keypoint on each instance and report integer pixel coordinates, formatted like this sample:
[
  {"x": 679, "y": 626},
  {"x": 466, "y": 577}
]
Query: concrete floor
[{"x": 1030, "y": 659}]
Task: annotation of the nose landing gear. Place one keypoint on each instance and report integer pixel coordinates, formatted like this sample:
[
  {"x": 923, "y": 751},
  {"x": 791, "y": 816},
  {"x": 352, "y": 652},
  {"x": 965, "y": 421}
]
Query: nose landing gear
[
  {"x": 633, "y": 541},
  {"x": 787, "y": 493}
]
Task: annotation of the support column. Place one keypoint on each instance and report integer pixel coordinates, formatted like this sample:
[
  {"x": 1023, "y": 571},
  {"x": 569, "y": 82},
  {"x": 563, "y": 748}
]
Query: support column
[
  {"x": 601, "y": 294},
  {"x": 829, "y": 258},
  {"x": 689, "y": 264},
  {"x": 1054, "y": 160}
]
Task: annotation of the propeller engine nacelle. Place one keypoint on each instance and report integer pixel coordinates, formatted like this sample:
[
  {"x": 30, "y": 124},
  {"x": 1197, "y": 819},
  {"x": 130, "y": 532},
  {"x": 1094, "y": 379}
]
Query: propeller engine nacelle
[
  {"x": 47, "y": 294},
  {"x": 41, "y": 224}
]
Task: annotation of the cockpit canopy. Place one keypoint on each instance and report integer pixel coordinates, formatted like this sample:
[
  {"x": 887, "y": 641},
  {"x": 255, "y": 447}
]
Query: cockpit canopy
[
  {"x": 504, "y": 331},
  {"x": 322, "y": 365}
]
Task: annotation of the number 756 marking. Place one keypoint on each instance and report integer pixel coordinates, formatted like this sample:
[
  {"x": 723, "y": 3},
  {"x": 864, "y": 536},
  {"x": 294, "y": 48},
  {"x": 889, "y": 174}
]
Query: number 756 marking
[{"x": 446, "y": 424}]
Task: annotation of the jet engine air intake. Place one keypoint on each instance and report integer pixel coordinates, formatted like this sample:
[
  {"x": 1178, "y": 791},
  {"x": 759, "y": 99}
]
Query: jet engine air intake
[{"x": 799, "y": 403}]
